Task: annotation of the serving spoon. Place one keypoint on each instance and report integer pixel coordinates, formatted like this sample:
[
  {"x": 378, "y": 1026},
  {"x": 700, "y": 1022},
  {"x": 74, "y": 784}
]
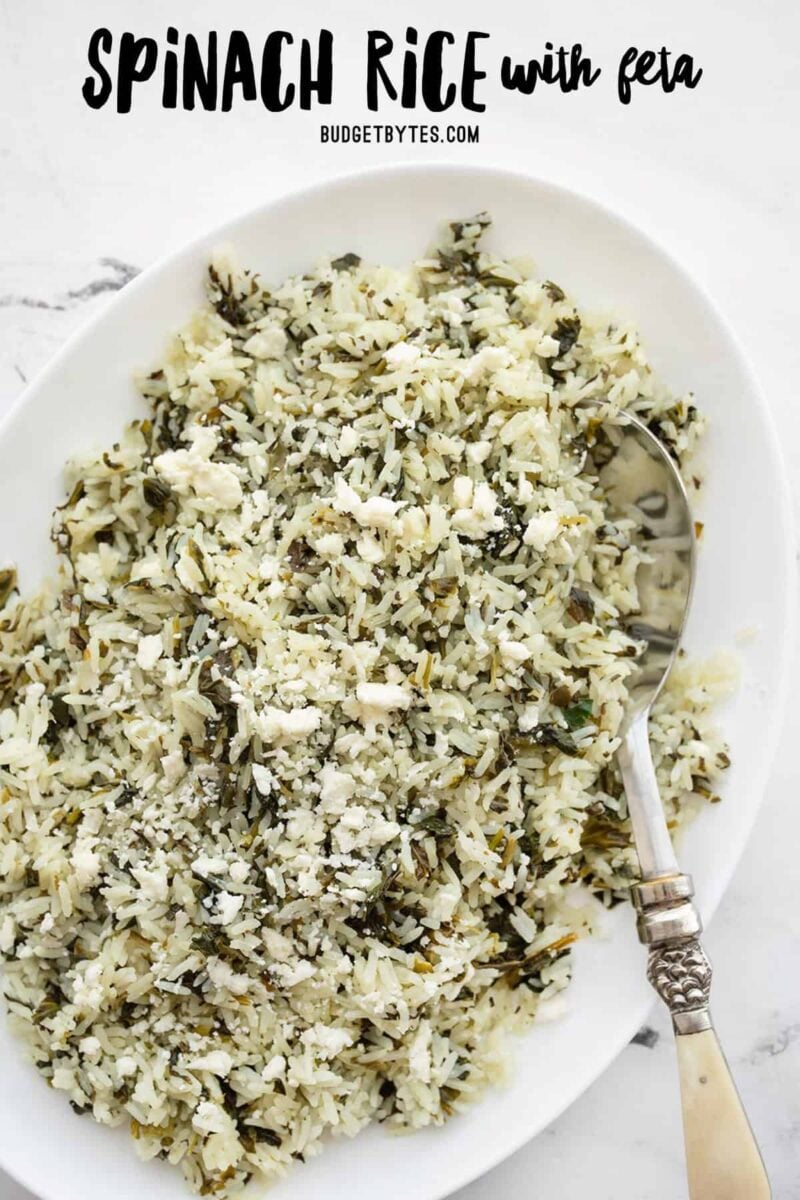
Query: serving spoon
[{"x": 641, "y": 480}]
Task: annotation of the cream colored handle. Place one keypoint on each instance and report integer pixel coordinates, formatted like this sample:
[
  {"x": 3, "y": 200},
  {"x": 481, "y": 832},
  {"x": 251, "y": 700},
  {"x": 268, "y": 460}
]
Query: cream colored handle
[{"x": 722, "y": 1158}]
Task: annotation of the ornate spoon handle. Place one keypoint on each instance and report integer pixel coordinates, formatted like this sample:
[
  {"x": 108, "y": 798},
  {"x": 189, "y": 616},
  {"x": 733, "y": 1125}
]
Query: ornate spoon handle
[{"x": 722, "y": 1157}]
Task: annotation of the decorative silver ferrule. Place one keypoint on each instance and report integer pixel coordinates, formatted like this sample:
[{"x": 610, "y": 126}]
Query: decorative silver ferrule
[{"x": 678, "y": 969}]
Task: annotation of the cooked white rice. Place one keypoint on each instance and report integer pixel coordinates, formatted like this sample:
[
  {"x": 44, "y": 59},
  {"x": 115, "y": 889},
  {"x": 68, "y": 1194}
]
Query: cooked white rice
[{"x": 307, "y": 757}]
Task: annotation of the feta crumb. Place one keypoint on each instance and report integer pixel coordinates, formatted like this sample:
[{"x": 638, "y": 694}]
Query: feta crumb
[
  {"x": 290, "y": 975},
  {"x": 89, "y": 1047},
  {"x": 263, "y": 779},
  {"x": 290, "y": 724},
  {"x": 513, "y": 653},
  {"x": 369, "y": 548},
  {"x": 326, "y": 1040},
  {"x": 274, "y": 1068},
  {"x": 484, "y": 501},
  {"x": 149, "y": 651},
  {"x": 238, "y": 871},
  {"x": 330, "y": 545},
  {"x": 85, "y": 864},
  {"x": 88, "y": 991},
  {"x": 228, "y": 907},
  {"x": 336, "y": 788},
  {"x": 218, "y": 1062},
  {"x": 478, "y": 452},
  {"x": 381, "y": 698},
  {"x": 475, "y": 508},
  {"x": 542, "y": 530},
  {"x": 126, "y": 1065},
  {"x": 205, "y": 865},
  {"x": 378, "y": 511},
  {"x": 402, "y": 355},
  {"x": 225, "y": 978},
  {"x": 462, "y": 491},
  {"x": 153, "y": 882},
  {"x": 267, "y": 343},
  {"x": 173, "y": 766},
  {"x": 211, "y": 1118},
  {"x": 214, "y": 486},
  {"x": 348, "y": 440},
  {"x": 484, "y": 362}
]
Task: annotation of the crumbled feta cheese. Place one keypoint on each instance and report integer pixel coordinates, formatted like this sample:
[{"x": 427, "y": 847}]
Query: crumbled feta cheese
[
  {"x": 269, "y": 567},
  {"x": 238, "y": 871},
  {"x": 326, "y": 1040},
  {"x": 484, "y": 501},
  {"x": 64, "y": 1079},
  {"x": 462, "y": 491},
  {"x": 336, "y": 788},
  {"x": 149, "y": 651},
  {"x": 87, "y": 990},
  {"x": 225, "y": 978},
  {"x": 173, "y": 766},
  {"x": 290, "y": 975},
  {"x": 378, "y": 699},
  {"x": 478, "y": 452},
  {"x": 190, "y": 473},
  {"x": 476, "y": 507},
  {"x": 274, "y": 1068},
  {"x": 152, "y": 881},
  {"x": 542, "y": 530},
  {"x": 218, "y": 1062},
  {"x": 402, "y": 355},
  {"x": 378, "y": 511},
  {"x": 263, "y": 779},
  {"x": 279, "y": 946},
  {"x": 513, "y": 653},
  {"x": 126, "y": 1066},
  {"x": 290, "y": 724},
  {"x": 267, "y": 343},
  {"x": 330, "y": 545},
  {"x": 205, "y": 865},
  {"x": 89, "y": 1047},
  {"x": 369, "y": 548},
  {"x": 348, "y": 440},
  {"x": 228, "y": 907},
  {"x": 485, "y": 362},
  {"x": 85, "y": 864},
  {"x": 211, "y": 1118}
]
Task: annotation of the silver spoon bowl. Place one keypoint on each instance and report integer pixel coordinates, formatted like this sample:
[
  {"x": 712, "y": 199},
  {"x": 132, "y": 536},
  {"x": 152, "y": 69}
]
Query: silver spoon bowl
[{"x": 641, "y": 481}]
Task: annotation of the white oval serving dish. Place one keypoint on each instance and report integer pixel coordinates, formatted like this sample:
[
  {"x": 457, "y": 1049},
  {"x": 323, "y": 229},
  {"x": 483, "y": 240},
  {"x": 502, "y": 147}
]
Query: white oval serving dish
[{"x": 745, "y": 568}]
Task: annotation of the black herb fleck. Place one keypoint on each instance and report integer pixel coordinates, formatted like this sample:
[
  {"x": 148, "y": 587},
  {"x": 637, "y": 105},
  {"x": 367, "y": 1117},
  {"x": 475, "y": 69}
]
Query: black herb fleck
[
  {"x": 156, "y": 491},
  {"x": 567, "y": 331},
  {"x": 346, "y": 262}
]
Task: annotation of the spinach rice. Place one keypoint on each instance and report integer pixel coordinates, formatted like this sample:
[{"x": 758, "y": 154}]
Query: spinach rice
[{"x": 307, "y": 758}]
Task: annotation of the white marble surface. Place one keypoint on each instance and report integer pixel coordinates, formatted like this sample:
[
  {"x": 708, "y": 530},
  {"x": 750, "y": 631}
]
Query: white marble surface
[{"x": 87, "y": 198}]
